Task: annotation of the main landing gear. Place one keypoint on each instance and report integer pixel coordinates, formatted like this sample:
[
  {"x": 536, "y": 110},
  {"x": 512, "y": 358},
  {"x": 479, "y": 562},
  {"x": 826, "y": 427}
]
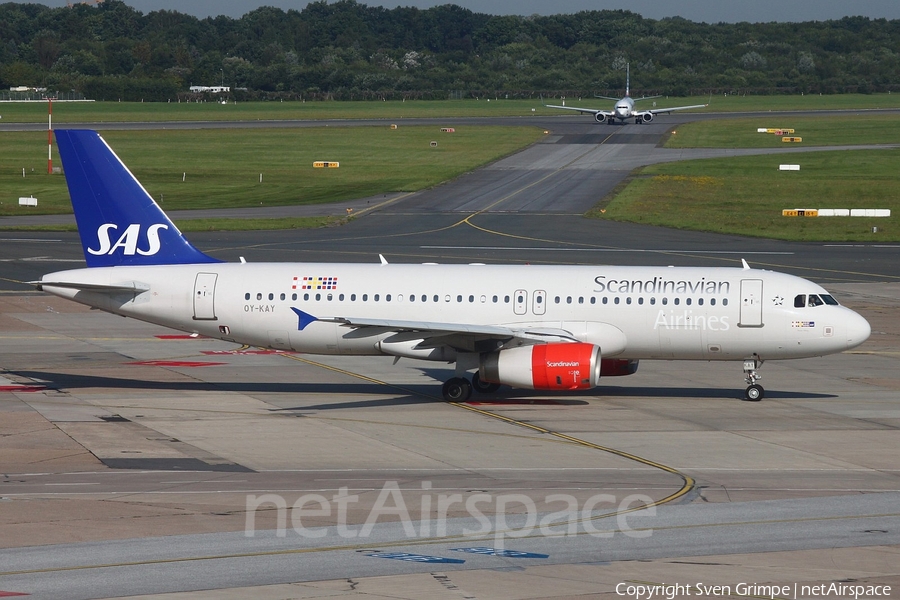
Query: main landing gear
[
  {"x": 754, "y": 392},
  {"x": 458, "y": 389}
]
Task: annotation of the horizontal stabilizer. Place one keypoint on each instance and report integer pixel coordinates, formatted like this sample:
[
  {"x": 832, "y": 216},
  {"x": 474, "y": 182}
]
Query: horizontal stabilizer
[{"x": 128, "y": 287}]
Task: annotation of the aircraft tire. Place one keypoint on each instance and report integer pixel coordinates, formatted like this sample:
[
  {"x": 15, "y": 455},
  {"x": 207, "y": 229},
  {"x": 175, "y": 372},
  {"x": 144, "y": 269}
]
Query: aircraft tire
[
  {"x": 754, "y": 393},
  {"x": 457, "y": 389}
]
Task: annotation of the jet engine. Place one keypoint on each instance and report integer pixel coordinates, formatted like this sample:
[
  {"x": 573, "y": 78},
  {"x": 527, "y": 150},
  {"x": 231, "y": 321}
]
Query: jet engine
[
  {"x": 570, "y": 366},
  {"x": 600, "y": 117},
  {"x": 646, "y": 117}
]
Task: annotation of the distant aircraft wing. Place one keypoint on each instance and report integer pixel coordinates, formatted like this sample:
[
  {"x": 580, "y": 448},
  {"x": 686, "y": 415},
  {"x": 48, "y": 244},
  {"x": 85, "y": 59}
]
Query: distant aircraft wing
[
  {"x": 593, "y": 111},
  {"x": 657, "y": 111}
]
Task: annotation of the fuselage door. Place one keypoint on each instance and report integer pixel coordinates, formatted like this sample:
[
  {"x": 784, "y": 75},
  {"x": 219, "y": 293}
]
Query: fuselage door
[
  {"x": 539, "y": 302},
  {"x": 751, "y": 303},
  {"x": 520, "y": 302},
  {"x": 204, "y": 297}
]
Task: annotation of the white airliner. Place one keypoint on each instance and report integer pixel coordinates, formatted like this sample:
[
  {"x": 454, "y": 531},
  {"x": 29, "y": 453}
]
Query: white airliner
[
  {"x": 532, "y": 327},
  {"x": 624, "y": 107}
]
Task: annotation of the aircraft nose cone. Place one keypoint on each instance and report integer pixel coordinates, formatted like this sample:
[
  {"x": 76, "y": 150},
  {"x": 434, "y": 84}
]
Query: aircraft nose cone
[{"x": 858, "y": 330}]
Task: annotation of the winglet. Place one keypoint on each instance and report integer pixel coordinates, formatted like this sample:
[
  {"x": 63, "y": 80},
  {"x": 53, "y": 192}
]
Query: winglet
[
  {"x": 118, "y": 221},
  {"x": 305, "y": 318}
]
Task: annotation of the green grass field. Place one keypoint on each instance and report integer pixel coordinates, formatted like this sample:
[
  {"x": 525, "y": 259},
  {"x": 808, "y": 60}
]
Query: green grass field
[
  {"x": 80, "y": 112},
  {"x": 745, "y": 196},
  {"x": 221, "y": 167},
  {"x": 815, "y": 131}
]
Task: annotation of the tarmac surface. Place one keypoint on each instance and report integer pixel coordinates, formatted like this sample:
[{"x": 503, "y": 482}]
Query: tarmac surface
[{"x": 138, "y": 461}]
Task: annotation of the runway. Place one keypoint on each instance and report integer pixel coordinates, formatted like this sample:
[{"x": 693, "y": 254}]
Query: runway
[{"x": 133, "y": 460}]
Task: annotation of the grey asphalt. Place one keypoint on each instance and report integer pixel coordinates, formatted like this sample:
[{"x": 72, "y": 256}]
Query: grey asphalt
[{"x": 186, "y": 563}]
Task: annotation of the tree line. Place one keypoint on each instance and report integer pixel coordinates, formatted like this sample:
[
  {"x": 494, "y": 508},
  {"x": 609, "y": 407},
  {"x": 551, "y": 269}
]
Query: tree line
[{"x": 347, "y": 49}]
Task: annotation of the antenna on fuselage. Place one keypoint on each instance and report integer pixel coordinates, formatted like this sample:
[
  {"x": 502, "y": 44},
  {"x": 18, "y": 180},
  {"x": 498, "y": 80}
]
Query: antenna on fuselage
[{"x": 745, "y": 265}]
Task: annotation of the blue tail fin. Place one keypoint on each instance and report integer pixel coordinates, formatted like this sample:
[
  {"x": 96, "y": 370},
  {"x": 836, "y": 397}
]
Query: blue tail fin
[{"x": 118, "y": 221}]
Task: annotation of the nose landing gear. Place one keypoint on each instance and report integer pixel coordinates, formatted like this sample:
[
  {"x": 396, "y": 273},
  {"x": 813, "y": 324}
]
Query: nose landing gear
[{"x": 754, "y": 392}]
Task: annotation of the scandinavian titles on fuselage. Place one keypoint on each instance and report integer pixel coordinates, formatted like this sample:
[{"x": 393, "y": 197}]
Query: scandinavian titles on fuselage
[
  {"x": 660, "y": 285},
  {"x": 688, "y": 320}
]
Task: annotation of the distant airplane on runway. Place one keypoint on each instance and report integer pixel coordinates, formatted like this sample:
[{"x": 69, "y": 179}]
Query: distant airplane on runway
[
  {"x": 526, "y": 326},
  {"x": 624, "y": 108}
]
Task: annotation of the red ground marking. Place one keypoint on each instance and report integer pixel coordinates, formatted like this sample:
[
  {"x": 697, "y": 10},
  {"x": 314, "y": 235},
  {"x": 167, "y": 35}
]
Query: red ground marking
[
  {"x": 178, "y": 336},
  {"x": 221, "y": 352},
  {"x": 21, "y": 388},
  {"x": 175, "y": 363},
  {"x": 11, "y": 594}
]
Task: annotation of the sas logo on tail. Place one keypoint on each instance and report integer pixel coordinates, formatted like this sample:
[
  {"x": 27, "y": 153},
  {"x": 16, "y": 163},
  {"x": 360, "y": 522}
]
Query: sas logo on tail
[{"x": 128, "y": 241}]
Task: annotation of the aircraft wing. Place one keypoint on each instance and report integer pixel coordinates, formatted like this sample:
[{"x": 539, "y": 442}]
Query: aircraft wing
[
  {"x": 657, "y": 111},
  {"x": 593, "y": 111},
  {"x": 460, "y": 336}
]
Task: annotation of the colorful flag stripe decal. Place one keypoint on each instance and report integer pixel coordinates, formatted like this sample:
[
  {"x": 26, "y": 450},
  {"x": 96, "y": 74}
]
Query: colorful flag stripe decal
[{"x": 315, "y": 283}]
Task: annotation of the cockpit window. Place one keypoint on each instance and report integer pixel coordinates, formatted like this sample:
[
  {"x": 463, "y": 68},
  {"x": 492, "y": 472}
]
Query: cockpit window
[{"x": 802, "y": 300}]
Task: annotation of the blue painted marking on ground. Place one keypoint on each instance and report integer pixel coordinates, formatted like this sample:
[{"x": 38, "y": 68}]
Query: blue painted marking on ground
[
  {"x": 421, "y": 558},
  {"x": 504, "y": 553}
]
